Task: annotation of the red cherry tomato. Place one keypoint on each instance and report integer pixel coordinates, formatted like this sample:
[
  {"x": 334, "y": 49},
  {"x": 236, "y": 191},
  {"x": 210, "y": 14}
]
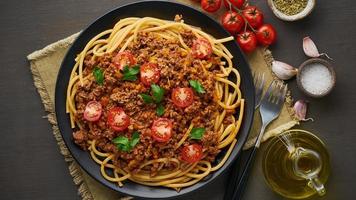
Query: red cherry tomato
[
  {"x": 149, "y": 74},
  {"x": 232, "y": 22},
  {"x": 247, "y": 41},
  {"x": 123, "y": 59},
  {"x": 237, "y": 3},
  {"x": 210, "y": 5},
  {"x": 192, "y": 153},
  {"x": 266, "y": 34},
  {"x": 201, "y": 48},
  {"x": 182, "y": 97},
  {"x": 117, "y": 119},
  {"x": 253, "y": 15},
  {"x": 93, "y": 111},
  {"x": 161, "y": 130}
]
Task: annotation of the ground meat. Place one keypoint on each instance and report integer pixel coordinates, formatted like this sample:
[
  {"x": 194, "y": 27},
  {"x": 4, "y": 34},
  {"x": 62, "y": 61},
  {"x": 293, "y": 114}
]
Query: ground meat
[
  {"x": 80, "y": 137},
  {"x": 176, "y": 68}
]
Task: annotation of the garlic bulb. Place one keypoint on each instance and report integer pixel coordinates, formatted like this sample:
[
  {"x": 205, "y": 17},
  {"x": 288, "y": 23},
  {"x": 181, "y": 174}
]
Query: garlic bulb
[
  {"x": 283, "y": 70},
  {"x": 300, "y": 109},
  {"x": 310, "y": 48}
]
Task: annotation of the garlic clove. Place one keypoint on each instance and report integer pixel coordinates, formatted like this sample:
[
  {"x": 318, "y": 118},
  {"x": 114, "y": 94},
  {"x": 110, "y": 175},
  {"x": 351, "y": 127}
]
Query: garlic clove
[
  {"x": 300, "y": 109},
  {"x": 310, "y": 48},
  {"x": 283, "y": 70}
]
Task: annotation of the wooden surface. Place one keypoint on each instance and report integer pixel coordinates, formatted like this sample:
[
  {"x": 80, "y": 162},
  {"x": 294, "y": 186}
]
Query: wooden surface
[{"x": 31, "y": 166}]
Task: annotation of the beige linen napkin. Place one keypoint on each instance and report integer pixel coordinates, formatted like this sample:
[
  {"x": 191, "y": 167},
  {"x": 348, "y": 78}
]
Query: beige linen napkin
[{"x": 45, "y": 64}]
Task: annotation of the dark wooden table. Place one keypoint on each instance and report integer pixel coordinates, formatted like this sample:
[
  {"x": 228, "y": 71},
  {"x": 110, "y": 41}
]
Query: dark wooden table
[{"x": 31, "y": 166}]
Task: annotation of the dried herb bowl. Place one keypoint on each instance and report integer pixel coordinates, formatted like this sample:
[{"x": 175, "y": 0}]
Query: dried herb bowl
[{"x": 308, "y": 8}]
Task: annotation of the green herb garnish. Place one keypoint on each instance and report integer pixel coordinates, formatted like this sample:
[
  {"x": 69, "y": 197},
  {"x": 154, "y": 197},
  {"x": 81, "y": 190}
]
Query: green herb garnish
[
  {"x": 160, "y": 110},
  {"x": 98, "y": 75},
  {"x": 157, "y": 93},
  {"x": 130, "y": 73},
  {"x": 197, "y": 86},
  {"x": 146, "y": 98},
  {"x": 125, "y": 144},
  {"x": 197, "y": 133},
  {"x": 157, "y": 97}
]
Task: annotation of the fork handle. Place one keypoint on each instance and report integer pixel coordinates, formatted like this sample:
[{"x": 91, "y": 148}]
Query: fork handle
[{"x": 242, "y": 182}]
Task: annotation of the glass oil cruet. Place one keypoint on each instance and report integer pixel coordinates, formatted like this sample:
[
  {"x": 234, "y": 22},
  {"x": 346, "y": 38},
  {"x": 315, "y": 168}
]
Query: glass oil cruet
[{"x": 296, "y": 164}]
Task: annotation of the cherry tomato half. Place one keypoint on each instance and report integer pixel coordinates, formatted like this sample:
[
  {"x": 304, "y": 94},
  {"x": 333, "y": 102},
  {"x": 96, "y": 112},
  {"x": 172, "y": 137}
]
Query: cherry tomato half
[
  {"x": 210, "y": 5},
  {"x": 117, "y": 119},
  {"x": 201, "y": 48},
  {"x": 149, "y": 74},
  {"x": 192, "y": 153},
  {"x": 161, "y": 130},
  {"x": 232, "y": 21},
  {"x": 247, "y": 41},
  {"x": 266, "y": 34},
  {"x": 237, "y": 3},
  {"x": 182, "y": 97},
  {"x": 93, "y": 111},
  {"x": 123, "y": 59},
  {"x": 253, "y": 15}
]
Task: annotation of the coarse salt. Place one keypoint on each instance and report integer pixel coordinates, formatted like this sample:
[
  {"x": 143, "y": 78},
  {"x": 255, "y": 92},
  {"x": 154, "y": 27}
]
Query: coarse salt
[{"x": 316, "y": 79}]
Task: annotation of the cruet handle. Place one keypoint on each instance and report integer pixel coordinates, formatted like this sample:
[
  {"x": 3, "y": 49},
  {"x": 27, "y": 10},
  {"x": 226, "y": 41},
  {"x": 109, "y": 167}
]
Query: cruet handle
[{"x": 316, "y": 185}]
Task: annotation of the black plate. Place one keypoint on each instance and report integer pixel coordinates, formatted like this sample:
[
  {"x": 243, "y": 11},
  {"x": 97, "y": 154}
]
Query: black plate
[{"x": 163, "y": 10}]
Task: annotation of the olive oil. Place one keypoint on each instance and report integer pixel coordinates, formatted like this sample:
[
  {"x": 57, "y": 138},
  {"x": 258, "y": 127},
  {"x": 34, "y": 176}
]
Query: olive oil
[{"x": 296, "y": 164}]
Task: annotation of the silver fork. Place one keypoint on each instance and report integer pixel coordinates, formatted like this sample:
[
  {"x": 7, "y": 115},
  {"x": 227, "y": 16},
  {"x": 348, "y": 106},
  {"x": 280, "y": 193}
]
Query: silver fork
[
  {"x": 270, "y": 108},
  {"x": 259, "y": 81}
]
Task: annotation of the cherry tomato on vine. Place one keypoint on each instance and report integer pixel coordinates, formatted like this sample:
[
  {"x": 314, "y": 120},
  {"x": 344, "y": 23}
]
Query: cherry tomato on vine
[
  {"x": 210, "y": 5},
  {"x": 253, "y": 15},
  {"x": 232, "y": 21},
  {"x": 247, "y": 41},
  {"x": 266, "y": 34},
  {"x": 237, "y": 3}
]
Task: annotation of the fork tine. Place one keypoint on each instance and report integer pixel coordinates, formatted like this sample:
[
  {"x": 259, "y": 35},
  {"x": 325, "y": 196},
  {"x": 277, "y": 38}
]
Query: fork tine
[
  {"x": 275, "y": 92},
  {"x": 262, "y": 81},
  {"x": 278, "y": 92},
  {"x": 268, "y": 94},
  {"x": 283, "y": 94}
]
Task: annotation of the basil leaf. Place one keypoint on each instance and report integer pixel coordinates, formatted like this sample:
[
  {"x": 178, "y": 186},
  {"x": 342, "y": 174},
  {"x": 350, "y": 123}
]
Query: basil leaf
[
  {"x": 98, "y": 75},
  {"x": 197, "y": 133},
  {"x": 122, "y": 143},
  {"x": 130, "y": 73},
  {"x": 160, "y": 110},
  {"x": 135, "y": 139},
  {"x": 157, "y": 93},
  {"x": 197, "y": 86},
  {"x": 146, "y": 98}
]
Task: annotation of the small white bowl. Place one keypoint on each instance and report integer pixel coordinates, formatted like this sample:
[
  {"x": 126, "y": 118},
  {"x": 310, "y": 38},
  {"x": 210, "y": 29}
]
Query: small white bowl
[{"x": 307, "y": 10}]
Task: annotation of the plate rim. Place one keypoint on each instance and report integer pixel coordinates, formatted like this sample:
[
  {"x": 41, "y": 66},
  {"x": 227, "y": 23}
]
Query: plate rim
[{"x": 188, "y": 190}]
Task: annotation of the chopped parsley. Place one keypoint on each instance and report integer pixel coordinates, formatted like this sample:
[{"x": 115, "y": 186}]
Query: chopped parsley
[
  {"x": 156, "y": 97},
  {"x": 197, "y": 133},
  {"x": 130, "y": 73},
  {"x": 197, "y": 86},
  {"x": 98, "y": 75},
  {"x": 160, "y": 110},
  {"x": 125, "y": 144}
]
